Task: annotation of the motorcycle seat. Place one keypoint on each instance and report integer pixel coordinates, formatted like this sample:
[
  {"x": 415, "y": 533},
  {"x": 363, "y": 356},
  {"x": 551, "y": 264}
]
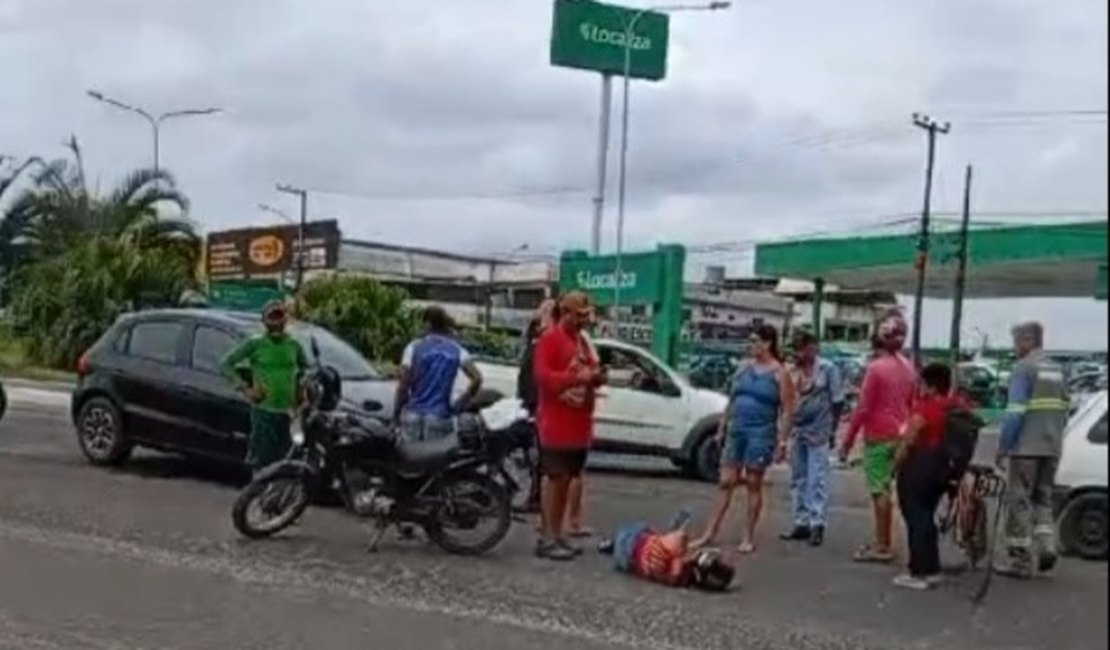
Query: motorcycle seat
[{"x": 427, "y": 454}]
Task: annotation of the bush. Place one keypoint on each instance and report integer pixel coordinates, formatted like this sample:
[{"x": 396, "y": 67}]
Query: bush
[
  {"x": 61, "y": 305},
  {"x": 371, "y": 317}
]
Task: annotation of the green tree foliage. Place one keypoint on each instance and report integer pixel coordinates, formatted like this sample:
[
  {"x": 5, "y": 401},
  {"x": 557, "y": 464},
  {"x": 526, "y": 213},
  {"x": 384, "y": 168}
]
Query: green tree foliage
[
  {"x": 75, "y": 259},
  {"x": 371, "y": 317},
  {"x": 59, "y": 212},
  {"x": 62, "y": 304}
]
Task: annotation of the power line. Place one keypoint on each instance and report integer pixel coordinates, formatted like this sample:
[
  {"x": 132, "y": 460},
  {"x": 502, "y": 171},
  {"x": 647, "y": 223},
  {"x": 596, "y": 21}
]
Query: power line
[
  {"x": 835, "y": 138},
  {"x": 1030, "y": 113}
]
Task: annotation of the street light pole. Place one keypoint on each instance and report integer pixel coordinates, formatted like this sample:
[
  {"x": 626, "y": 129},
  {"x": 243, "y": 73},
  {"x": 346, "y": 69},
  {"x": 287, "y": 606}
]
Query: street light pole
[
  {"x": 155, "y": 122},
  {"x": 622, "y": 179},
  {"x": 274, "y": 211},
  {"x": 303, "y": 194}
]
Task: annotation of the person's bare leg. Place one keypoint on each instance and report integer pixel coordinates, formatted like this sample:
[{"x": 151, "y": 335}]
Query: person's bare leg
[
  {"x": 754, "y": 482},
  {"x": 726, "y": 487},
  {"x": 575, "y": 495},
  {"x": 554, "y": 498},
  {"x": 884, "y": 512}
]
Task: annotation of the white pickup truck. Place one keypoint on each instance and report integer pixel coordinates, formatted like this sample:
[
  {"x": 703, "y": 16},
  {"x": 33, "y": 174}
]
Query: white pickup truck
[{"x": 647, "y": 408}]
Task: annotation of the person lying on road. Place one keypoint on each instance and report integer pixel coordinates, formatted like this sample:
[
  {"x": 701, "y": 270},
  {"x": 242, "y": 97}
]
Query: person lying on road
[{"x": 666, "y": 557}]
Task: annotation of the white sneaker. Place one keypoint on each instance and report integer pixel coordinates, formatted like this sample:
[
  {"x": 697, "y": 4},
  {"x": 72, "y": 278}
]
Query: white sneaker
[{"x": 906, "y": 581}]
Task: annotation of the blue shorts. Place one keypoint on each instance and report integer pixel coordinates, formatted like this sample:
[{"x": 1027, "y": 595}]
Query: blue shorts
[{"x": 749, "y": 449}]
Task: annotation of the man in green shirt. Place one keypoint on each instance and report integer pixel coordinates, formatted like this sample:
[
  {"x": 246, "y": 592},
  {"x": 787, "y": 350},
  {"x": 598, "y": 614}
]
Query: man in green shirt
[{"x": 277, "y": 364}]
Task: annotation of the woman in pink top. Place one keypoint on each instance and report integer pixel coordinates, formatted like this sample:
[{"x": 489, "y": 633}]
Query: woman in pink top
[{"x": 885, "y": 400}]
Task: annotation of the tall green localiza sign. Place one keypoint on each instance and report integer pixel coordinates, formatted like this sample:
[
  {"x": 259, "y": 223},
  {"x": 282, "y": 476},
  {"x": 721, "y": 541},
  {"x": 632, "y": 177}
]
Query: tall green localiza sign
[
  {"x": 652, "y": 278},
  {"x": 592, "y": 36}
]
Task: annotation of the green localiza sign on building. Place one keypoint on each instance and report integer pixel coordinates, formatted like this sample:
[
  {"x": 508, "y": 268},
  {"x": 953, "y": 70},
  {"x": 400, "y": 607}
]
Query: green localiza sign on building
[
  {"x": 647, "y": 278},
  {"x": 243, "y": 295},
  {"x": 593, "y": 36}
]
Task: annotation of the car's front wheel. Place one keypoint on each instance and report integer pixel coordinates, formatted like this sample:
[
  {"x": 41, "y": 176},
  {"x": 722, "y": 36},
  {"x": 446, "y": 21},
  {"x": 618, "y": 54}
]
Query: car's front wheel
[
  {"x": 1083, "y": 526},
  {"x": 100, "y": 433},
  {"x": 706, "y": 461}
]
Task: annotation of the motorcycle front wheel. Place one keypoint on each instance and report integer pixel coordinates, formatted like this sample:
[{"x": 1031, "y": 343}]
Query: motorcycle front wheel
[
  {"x": 271, "y": 504},
  {"x": 472, "y": 514}
]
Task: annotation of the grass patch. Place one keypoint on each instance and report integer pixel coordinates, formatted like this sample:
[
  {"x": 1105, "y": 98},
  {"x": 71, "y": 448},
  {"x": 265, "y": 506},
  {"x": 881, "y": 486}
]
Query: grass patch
[{"x": 14, "y": 362}]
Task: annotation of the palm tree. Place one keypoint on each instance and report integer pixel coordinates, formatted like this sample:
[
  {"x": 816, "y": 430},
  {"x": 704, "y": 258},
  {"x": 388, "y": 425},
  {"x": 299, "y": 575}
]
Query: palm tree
[
  {"x": 58, "y": 211},
  {"x": 11, "y": 223}
]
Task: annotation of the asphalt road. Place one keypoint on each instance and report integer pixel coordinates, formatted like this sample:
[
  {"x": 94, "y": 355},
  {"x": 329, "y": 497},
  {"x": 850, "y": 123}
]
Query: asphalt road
[{"x": 145, "y": 557}]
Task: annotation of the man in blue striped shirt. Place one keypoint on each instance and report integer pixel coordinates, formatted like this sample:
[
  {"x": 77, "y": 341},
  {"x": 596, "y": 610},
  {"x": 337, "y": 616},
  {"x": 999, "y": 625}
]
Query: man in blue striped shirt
[{"x": 429, "y": 367}]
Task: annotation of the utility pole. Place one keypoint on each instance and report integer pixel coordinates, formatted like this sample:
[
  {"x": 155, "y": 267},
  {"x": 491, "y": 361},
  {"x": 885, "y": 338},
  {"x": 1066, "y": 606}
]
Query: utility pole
[
  {"x": 932, "y": 128},
  {"x": 303, "y": 194},
  {"x": 961, "y": 272}
]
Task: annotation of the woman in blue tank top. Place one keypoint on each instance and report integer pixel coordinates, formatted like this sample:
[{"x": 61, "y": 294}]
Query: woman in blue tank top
[{"x": 753, "y": 431}]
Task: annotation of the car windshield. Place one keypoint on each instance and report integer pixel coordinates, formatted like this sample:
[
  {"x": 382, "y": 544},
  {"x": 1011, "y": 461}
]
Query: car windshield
[{"x": 334, "y": 352}]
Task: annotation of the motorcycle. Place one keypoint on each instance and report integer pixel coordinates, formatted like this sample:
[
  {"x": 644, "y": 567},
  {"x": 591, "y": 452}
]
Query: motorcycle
[
  {"x": 446, "y": 487},
  {"x": 511, "y": 438}
]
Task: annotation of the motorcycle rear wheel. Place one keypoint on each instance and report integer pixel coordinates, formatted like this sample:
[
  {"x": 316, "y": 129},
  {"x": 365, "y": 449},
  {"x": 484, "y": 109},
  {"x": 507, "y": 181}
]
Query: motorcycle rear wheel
[
  {"x": 282, "y": 498},
  {"x": 468, "y": 500}
]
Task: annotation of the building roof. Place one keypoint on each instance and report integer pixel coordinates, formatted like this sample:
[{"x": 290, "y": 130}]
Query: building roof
[{"x": 1059, "y": 260}]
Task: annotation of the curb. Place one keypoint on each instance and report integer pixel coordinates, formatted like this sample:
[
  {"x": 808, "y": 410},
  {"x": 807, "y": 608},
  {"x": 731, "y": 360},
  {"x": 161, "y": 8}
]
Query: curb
[{"x": 53, "y": 386}]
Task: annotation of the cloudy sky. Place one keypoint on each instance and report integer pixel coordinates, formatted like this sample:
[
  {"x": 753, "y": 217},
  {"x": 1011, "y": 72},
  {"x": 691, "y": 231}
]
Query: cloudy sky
[{"x": 442, "y": 124}]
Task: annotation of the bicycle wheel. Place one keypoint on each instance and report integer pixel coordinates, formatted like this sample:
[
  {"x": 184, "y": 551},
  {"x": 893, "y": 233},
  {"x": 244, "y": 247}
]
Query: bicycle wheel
[
  {"x": 980, "y": 594},
  {"x": 975, "y": 533}
]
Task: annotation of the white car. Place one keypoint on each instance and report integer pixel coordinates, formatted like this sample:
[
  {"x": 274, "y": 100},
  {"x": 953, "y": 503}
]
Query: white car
[
  {"x": 647, "y": 408},
  {"x": 1081, "y": 496}
]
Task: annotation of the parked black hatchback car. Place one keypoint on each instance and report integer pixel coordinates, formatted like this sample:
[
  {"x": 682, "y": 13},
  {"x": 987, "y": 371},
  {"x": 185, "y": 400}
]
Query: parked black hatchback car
[{"x": 153, "y": 380}]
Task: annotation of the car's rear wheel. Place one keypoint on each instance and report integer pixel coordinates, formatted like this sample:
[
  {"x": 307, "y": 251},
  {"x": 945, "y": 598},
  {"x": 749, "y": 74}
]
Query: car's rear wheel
[
  {"x": 100, "y": 433},
  {"x": 1083, "y": 526}
]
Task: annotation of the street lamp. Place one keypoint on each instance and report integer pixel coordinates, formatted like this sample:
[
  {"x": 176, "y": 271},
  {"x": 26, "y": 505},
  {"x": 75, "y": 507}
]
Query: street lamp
[
  {"x": 629, "y": 32},
  {"x": 279, "y": 213},
  {"x": 155, "y": 122}
]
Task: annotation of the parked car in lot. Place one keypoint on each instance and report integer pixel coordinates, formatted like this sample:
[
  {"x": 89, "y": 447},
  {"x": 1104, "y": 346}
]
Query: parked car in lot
[
  {"x": 153, "y": 380},
  {"x": 1081, "y": 493},
  {"x": 648, "y": 408}
]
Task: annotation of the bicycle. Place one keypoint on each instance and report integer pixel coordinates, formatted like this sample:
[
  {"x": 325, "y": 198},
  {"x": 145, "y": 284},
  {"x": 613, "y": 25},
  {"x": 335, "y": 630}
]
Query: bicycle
[{"x": 965, "y": 520}]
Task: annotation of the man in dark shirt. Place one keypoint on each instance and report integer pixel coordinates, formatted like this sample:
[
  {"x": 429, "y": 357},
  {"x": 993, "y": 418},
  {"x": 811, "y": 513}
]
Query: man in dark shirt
[{"x": 528, "y": 392}]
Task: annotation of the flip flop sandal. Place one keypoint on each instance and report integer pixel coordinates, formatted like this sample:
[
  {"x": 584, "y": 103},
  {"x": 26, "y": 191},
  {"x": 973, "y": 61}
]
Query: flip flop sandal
[
  {"x": 747, "y": 548},
  {"x": 871, "y": 554}
]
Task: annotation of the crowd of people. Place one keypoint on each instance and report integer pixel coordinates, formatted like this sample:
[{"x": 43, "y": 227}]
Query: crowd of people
[{"x": 777, "y": 411}]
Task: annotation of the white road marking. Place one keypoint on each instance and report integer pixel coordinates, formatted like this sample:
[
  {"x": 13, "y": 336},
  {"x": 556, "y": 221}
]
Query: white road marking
[
  {"x": 20, "y": 395},
  {"x": 294, "y": 578}
]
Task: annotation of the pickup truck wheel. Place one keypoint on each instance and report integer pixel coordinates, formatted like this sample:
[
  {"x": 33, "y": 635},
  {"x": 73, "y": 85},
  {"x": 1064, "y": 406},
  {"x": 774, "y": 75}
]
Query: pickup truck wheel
[
  {"x": 706, "y": 462},
  {"x": 1083, "y": 526}
]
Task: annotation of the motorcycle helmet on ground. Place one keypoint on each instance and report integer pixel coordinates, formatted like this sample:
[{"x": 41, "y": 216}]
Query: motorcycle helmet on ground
[{"x": 710, "y": 572}]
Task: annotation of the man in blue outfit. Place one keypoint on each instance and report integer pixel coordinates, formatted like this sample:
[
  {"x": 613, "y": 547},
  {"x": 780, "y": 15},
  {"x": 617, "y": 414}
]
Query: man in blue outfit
[
  {"x": 429, "y": 368},
  {"x": 820, "y": 401}
]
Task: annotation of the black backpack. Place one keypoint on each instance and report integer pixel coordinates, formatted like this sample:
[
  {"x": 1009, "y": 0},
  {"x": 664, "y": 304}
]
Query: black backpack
[{"x": 961, "y": 436}]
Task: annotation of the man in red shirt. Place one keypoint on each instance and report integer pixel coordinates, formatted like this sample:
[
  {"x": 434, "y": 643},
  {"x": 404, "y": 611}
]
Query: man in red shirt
[{"x": 567, "y": 375}]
